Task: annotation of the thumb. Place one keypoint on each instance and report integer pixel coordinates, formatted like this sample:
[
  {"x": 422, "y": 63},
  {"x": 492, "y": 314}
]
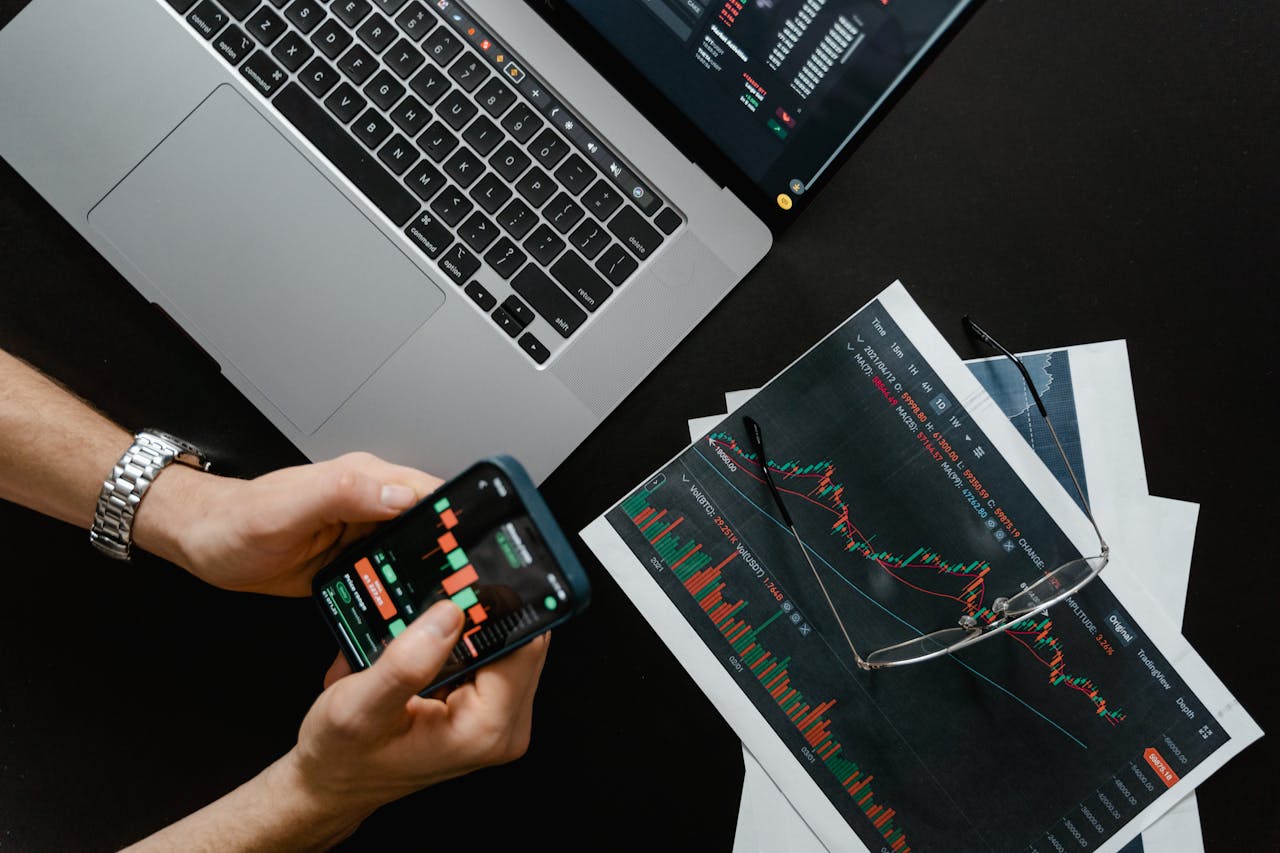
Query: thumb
[
  {"x": 337, "y": 491},
  {"x": 410, "y": 661}
]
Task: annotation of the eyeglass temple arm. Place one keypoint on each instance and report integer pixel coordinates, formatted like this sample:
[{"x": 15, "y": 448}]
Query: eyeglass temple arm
[
  {"x": 1035, "y": 395},
  {"x": 757, "y": 444}
]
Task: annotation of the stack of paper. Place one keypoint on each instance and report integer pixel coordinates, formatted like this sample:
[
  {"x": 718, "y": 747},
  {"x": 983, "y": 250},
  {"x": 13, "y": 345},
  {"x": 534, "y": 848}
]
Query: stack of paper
[
  {"x": 1088, "y": 393},
  {"x": 913, "y": 493}
]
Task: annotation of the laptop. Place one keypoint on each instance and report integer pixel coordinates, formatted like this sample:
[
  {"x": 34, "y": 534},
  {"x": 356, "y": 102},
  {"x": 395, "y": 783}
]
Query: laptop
[{"x": 438, "y": 230}]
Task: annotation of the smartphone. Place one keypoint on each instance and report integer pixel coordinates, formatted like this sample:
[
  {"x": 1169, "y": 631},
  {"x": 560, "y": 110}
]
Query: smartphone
[{"x": 487, "y": 541}]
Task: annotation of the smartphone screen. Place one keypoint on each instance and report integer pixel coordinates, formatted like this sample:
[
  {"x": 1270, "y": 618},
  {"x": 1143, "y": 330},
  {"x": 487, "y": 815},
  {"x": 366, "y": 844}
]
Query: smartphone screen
[{"x": 474, "y": 542}]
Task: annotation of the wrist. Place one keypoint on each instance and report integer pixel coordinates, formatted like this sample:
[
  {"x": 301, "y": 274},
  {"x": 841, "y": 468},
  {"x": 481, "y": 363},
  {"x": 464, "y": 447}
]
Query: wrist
[
  {"x": 330, "y": 815},
  {"x": 173, "y": 505}
]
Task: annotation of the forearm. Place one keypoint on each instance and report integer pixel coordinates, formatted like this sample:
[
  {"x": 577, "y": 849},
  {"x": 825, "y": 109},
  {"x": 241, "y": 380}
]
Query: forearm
[
  {"x": 275, "y": 810},
  {"x": 55, "y": 450}
]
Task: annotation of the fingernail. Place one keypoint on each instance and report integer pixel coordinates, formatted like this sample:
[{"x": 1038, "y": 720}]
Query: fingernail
[
  {"x": 443, "y": 619},
  {"x": 397, "y": 497}
]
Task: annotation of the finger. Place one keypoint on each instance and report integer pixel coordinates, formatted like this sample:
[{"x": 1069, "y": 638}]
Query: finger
[
  {"x": 338, "y": 669},
  {"x": 409, "y": 662},
  {"x": 506, "y": 681}
]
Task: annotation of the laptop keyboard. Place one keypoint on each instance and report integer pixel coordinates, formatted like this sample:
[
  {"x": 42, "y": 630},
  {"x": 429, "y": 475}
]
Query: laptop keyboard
[{"x": 458, "y": 144}]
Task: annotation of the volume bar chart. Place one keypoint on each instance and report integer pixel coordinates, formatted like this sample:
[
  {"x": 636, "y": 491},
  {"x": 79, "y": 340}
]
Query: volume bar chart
[{"x": 702, "y": 576}]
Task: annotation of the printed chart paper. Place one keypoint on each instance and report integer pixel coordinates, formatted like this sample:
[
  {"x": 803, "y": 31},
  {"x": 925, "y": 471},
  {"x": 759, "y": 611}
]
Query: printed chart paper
[
  {"x": 1088, "y": 392},
  {"x": 895, "y": 463}
]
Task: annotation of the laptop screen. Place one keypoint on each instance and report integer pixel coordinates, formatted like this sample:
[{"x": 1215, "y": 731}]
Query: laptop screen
[{"x": 779, "y": 86}]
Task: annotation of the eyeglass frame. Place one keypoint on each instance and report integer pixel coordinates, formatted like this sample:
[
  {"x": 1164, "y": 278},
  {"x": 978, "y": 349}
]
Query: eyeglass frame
[{"x": 1000, "y": 606}]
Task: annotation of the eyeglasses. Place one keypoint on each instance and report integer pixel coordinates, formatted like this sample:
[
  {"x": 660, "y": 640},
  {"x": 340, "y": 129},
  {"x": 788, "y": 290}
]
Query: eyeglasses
[{"x": 972, "y": 627}]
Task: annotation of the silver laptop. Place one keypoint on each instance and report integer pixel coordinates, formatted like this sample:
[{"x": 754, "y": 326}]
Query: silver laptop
[{"x": 437, "y": 230}]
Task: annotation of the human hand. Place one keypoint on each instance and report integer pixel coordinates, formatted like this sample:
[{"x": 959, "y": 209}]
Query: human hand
[
  {"x": 370, "y": 738},
  {"x": 271, "y": 534}
]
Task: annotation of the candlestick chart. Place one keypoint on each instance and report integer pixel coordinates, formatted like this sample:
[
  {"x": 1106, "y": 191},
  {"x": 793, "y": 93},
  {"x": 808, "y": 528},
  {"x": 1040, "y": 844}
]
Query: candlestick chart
[{"x": 912, "y": 520}]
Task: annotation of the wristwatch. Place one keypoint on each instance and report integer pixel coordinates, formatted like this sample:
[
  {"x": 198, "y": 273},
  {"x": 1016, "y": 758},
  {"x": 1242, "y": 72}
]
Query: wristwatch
[{"x": 151, "y": 451}]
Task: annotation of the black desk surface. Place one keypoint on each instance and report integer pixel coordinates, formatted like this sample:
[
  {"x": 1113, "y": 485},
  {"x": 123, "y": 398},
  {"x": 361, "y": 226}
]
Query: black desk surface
[{"x": 1064, "y": 172}]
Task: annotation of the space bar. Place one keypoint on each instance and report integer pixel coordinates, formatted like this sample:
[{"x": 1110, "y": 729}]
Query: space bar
[{"x": 346, "y": 154}]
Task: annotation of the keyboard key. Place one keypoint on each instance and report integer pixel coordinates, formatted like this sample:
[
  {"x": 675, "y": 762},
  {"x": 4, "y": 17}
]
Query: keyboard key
[
  {"x": 181, "y": 6},
  {"x": 464, "y": 166},
  {"x": 581, "y": 281},
  {"x": 452, "y": 204},
  {"x": 575, "y": 175},
  {"x": 548, "y": 148},
  {"x": 351, "y": 12},
  {"x": 534, "y": 348},
  {"x": 456, "y": 109},
  {"x": 319, "y": 77},
  {"x": 377, "y": 33},
  {"x": 389, "y": 6},
  {"x": 415, "y": 20},
  {"x": 262, "y": 71},
  {"x": 403, "y": 58},
  {"x": 371, "y": 128},
  {"x": 345, "y": 103},
  {"x": 668, "y": 220},
  {"x": 635, "y": 233},
  {"x": 495, "y": 97},
  {"x": 442, "y": 46},
  {"x": 548, "y": 300},
  {"x": 491, "y": 193},
  {"x": 384, "y": 90},
  {"x": 305, "y": 14},
  {"x": 436, "y": 141},
  {"x": 478, "y": 232},
  {"x": 517, "y": 219},
  {"x": 410, "y": 116},
  {"x": 522, "y": 123},
  {"x": 590, "y": 238},
  {"x": 430, "y": 84},
  {"x": 292, "y": 51},
  {"x": 544, "y": 245},
  {"x": 233, "y": 45},
  {"x": 505, "y": 258},
  {"x": 266, "y": 26},
  {"x": 239, "y": 8},
  {"x": 331, "y": 38},
  {"x": 562, "y": 213},
  {"x": 483, "y": 135},
  {"x": 536, "y": 187},
  {"x": 425, "y": 180},
  {"x": 429, "y": 234},
  {"x": 398, "y": 154},
  {"x": 480, "y": 296},
  {"x": 510, "y": 161},
  {"x": 522, "y": 313},
  {"x": 506, "y": 322},
  {"x": 345, "y": 154},
  {"x": 616, "y": 264},
  {"x": 358, "y": 64},
  {"x": 602, "y": 199},
  {"x": 458, "y": 263},
  {"x": 208, "y": 19},
  {"x": 469, "y": 71}
]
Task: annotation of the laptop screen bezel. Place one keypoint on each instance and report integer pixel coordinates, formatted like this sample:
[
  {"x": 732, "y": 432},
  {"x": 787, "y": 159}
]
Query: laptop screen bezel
[{"x": 675, "y": 126}]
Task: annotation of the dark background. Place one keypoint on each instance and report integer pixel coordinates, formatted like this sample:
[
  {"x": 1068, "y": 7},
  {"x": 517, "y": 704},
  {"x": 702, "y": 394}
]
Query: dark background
[{"x": 1063, "y": 172}]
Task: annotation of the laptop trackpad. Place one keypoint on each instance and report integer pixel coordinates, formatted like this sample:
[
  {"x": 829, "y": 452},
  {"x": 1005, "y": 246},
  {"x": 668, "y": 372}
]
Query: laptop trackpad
[{"x": 264, "y": 261}]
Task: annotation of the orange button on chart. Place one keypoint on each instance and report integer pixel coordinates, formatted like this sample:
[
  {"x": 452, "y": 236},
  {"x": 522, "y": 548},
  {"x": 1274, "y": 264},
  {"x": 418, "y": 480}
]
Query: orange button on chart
[
  {"x": 461, "y": 579},
  {"x": 448, "y": 542},
  {"x": 376, "y": 590},
  {"x": 1162, "y": 768}
]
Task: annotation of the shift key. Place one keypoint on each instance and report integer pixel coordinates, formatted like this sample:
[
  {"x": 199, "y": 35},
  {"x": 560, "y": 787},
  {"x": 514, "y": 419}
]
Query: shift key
[
  {"x": 549, "y": 300},
  {"x": 640, "y": 238}
]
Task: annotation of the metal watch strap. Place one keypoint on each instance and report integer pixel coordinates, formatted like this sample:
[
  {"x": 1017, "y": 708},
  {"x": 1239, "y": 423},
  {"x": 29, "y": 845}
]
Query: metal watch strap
[{"x": 150, "y": 453}]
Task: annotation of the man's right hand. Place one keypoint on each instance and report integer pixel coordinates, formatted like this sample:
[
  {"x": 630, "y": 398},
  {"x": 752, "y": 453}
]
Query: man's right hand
[{"x": 370, "y": 738}]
